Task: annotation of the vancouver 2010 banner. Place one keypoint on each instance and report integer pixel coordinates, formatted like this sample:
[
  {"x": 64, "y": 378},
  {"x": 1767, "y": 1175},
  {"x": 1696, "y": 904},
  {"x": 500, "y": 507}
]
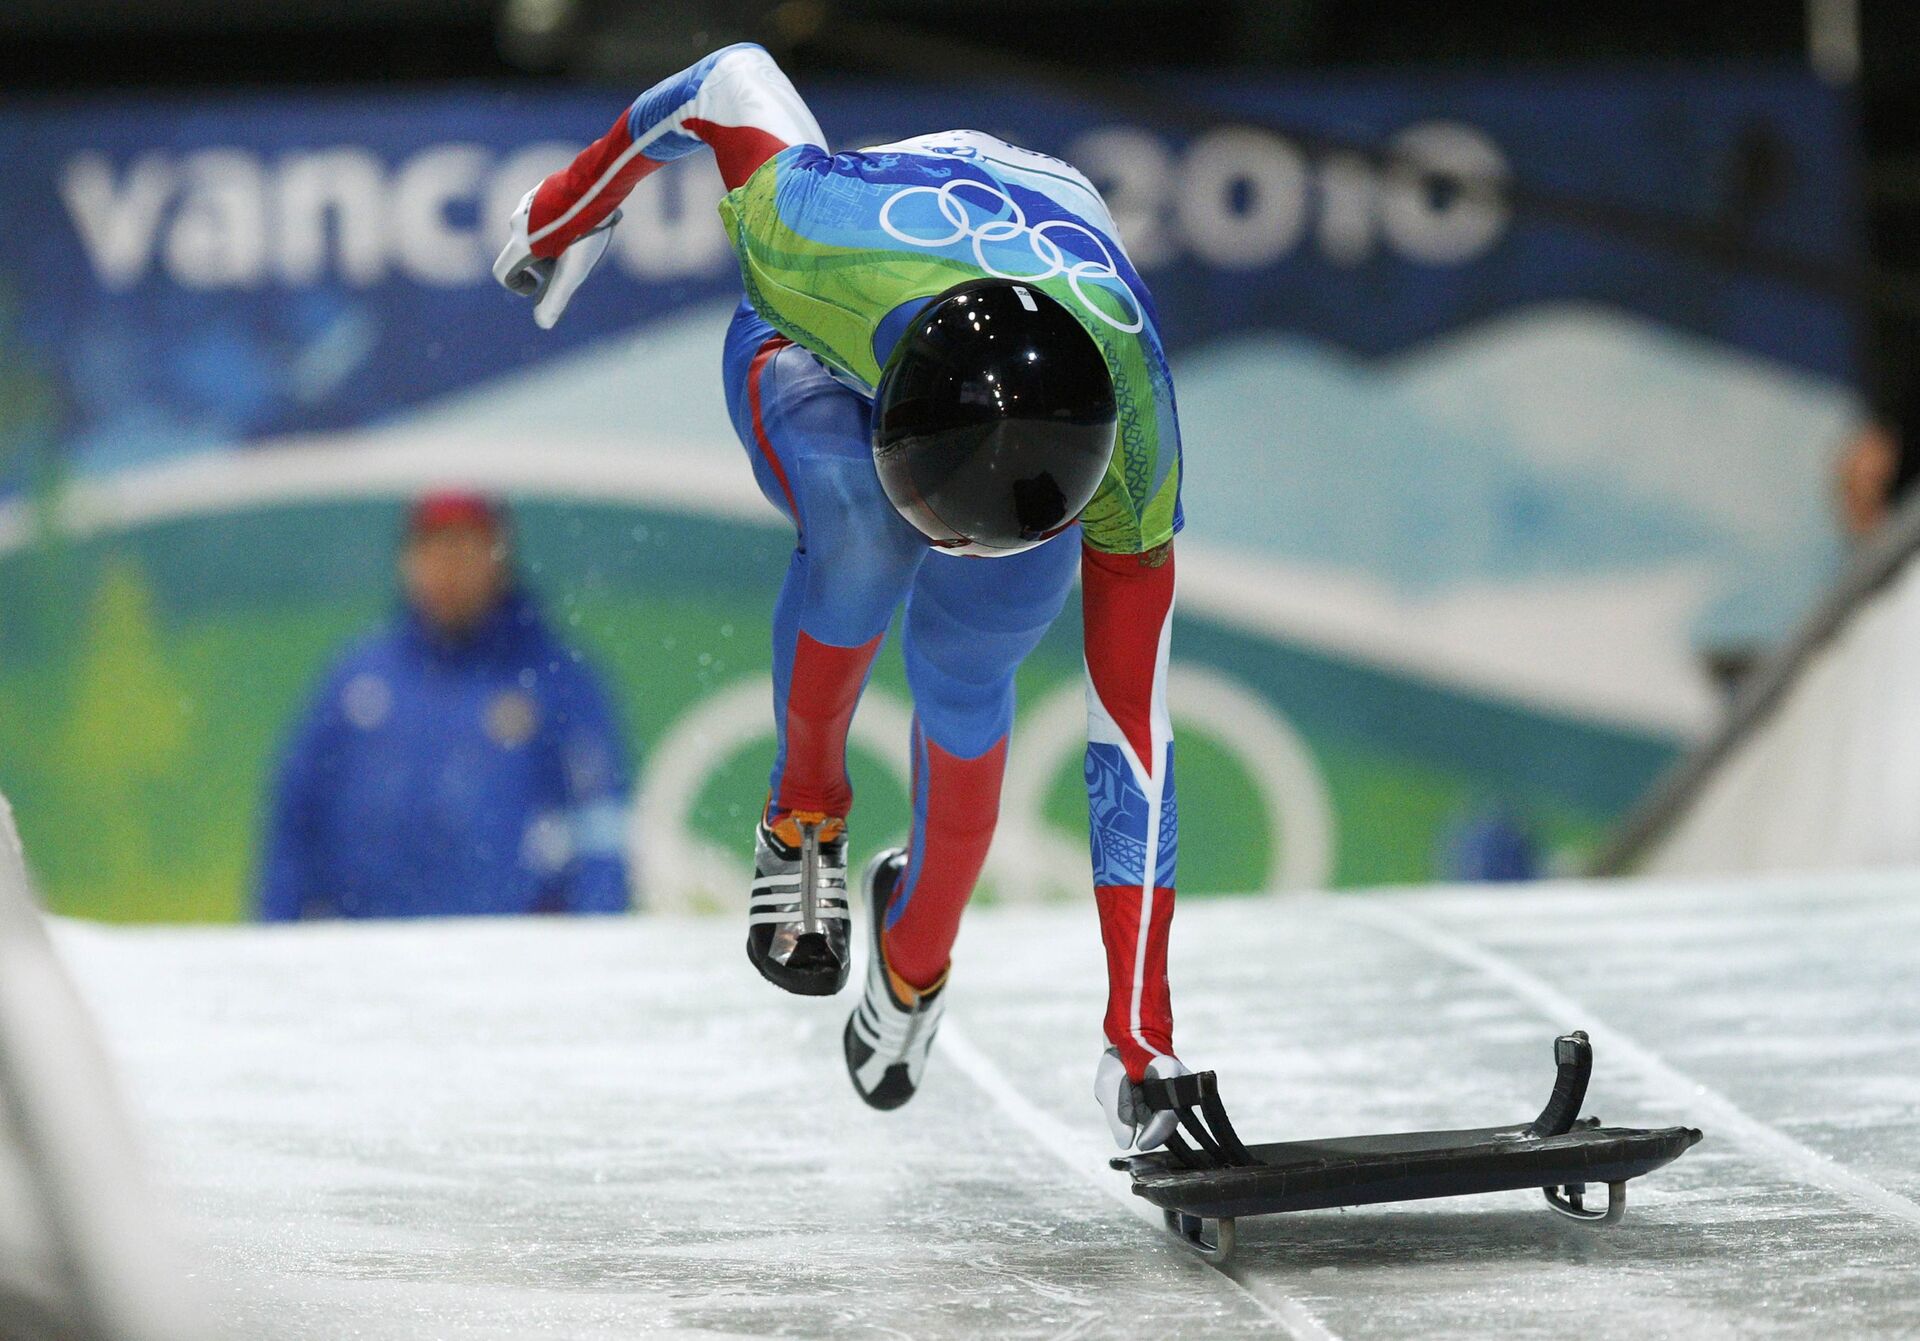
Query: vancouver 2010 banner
[{"x": 1495, "y": 430}]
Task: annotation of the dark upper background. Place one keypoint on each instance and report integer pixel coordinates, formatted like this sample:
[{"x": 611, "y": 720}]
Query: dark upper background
[{"x": 48, "y": 47}]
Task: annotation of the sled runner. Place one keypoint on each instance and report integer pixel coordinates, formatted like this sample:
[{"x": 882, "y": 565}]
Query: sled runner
[{"x": 1203, "y": 1186}]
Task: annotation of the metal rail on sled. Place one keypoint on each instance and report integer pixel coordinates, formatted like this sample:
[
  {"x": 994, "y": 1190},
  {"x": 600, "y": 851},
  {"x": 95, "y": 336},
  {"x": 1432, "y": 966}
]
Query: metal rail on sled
[{"x": 1203, "y": 1185}]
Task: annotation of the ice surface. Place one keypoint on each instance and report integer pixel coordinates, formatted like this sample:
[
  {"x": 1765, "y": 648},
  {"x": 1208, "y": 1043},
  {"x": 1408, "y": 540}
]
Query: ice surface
[{"x": 598, "y": 1129}]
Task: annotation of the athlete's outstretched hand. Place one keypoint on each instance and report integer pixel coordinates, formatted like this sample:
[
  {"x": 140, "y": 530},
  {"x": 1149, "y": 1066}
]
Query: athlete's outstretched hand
[
  {"x": 550, "y": 282},
  {"x": 1135, "y": 1126}
]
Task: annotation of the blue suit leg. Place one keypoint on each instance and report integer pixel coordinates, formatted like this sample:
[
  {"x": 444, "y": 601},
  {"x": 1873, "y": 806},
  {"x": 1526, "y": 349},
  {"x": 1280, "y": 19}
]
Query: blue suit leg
[{"x": 808, "y": 438}]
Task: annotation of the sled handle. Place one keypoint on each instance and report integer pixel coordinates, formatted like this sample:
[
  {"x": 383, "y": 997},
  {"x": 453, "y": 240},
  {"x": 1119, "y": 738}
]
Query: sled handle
[
  {"x": 1573, "y": 1054},
  {"x": 1196, "y": 1098}
]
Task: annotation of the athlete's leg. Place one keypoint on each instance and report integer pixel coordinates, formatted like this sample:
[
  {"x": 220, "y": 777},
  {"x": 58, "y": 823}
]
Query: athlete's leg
[
  {"x": 853, "y": 563},
  {"x": 969, "y": 625}
]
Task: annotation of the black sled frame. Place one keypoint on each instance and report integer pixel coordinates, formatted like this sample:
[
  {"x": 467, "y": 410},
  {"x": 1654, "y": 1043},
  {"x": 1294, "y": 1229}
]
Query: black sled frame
[{"x": 1205, "y": 1181}]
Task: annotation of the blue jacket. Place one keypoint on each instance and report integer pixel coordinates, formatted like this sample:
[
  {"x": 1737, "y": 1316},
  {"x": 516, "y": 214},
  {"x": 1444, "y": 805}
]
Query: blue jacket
[{"x": 430, "y": 777}]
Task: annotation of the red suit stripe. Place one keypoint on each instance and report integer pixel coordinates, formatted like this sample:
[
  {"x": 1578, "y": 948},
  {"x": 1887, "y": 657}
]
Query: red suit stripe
[
  {"x": 819, "y": 709},
  {"x": 739, "y": 150},
  {"x": 558, "y": 192},
  {"x": 956, "y": 810},
  {"x": 773, "y": 346},
  {"x": 1131, "y": 960},
  {"x": 1127, "y": 602}
]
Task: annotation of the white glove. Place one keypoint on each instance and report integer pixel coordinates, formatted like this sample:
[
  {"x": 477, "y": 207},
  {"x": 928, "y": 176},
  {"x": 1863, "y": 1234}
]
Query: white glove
[
  {"x": 549, "y": 282},
  {"x": 1134, "y": 1125}
]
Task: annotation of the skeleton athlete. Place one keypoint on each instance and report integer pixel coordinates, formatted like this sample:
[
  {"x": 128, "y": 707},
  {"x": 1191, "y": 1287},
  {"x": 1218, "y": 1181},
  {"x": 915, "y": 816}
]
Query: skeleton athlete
[{"x": 943, "y": 351}]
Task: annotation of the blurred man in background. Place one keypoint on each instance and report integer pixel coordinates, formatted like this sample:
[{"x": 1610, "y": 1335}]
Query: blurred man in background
[{"x": 461, "y": 761}]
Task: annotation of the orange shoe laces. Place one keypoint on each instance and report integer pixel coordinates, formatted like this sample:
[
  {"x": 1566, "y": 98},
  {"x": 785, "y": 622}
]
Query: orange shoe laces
[{"x": 786, "y": 827}]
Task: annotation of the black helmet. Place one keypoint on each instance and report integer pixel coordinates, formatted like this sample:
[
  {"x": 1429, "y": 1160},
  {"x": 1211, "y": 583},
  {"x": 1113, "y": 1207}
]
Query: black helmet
[{"x": 994, "y": 420}]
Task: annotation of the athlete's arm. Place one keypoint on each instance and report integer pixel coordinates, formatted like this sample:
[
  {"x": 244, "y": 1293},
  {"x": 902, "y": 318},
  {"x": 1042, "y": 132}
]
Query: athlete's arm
[
  {"x": 1127, "y": 603},
  {"x": 736, "y": 102}
]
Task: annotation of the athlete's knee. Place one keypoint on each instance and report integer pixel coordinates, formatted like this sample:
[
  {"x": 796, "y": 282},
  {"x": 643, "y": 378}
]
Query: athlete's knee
[
  {"x": 856, "y": 560},
  {"x": 967, "y": 721},
  {"x": 970, "y": 637}
]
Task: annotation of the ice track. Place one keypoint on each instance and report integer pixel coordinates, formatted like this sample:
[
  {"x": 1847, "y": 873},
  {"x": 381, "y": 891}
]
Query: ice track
[{"x": 603, "y": 1129}]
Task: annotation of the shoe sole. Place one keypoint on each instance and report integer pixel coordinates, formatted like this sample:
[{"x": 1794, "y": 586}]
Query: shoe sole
[{"x": 809, "y": 983}]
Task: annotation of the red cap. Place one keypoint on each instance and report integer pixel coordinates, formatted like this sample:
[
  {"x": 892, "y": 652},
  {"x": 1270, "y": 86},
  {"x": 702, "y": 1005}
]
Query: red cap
[{"x": 454, "y": 507}]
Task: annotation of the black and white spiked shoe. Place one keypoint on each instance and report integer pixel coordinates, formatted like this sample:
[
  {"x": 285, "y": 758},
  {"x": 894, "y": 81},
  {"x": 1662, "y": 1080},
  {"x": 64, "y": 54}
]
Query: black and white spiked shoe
[
  {"x": 890, "y": 1033},
  {"x": 798, "y": 932}
]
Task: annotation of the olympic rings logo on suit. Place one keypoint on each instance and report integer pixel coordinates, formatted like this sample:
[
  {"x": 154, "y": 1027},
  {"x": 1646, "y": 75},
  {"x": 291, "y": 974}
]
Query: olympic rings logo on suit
[{"x": 1006, "y": 227}]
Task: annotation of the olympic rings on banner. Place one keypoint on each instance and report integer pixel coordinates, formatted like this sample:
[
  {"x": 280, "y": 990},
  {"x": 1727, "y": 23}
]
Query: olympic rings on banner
[{"x": 1009, "y": 224}]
